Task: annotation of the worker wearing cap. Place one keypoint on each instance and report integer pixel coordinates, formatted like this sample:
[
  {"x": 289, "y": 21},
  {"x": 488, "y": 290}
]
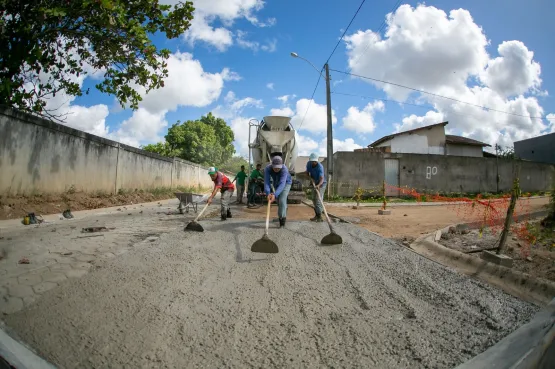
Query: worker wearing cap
[
  {"x": 226, "y": 187},
  {"x": 282, "y": 184},
  {"x": 315, "y": 170}
]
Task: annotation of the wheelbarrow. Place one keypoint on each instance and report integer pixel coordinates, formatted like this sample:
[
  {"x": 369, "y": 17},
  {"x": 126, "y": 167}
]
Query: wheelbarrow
[{"x": 186, "y": 200}]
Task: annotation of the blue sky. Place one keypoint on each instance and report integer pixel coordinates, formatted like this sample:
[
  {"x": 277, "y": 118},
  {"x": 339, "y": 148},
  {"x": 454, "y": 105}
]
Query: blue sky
[{"x": 247, "y": 67}]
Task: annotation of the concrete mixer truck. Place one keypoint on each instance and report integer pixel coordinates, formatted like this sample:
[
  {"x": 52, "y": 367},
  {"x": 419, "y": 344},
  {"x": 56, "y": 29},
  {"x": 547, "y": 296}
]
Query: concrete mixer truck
[{"x": 276, "y": 136}]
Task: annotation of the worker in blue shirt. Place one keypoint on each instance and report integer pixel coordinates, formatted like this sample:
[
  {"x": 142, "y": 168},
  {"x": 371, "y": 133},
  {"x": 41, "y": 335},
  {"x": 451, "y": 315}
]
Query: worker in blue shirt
[
  {"x": 316, "y": 172},
  {"x": 279, "y": 174}
]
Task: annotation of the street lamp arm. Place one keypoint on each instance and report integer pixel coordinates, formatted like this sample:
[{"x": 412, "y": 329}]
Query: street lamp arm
[{"x": 295, "y": 55}]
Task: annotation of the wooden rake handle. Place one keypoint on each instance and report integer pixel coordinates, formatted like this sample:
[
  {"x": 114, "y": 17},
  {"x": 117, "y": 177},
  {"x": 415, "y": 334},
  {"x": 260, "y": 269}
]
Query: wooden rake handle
[
  {"x": 202, "y": 211},
  {"x": 323, "y": 206}
]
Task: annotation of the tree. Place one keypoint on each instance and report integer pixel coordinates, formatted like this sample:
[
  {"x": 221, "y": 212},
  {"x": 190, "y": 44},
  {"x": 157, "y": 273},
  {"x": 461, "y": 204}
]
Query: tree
[
  {"x": 48, "y": 44},
  {"x": 233, "y": 165},
  {"x": 207, "y": 141},
  {"x": 505, "y": 152}
]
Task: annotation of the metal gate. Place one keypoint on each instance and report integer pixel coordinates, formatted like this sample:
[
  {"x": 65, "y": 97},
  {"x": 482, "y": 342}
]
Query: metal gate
[{"x": 392, "y": 177}]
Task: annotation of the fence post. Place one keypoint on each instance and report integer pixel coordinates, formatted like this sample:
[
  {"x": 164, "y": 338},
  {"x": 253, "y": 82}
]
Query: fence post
[
  {"x": 383, "y": 194},
  {"x": 509, "y": 217}
]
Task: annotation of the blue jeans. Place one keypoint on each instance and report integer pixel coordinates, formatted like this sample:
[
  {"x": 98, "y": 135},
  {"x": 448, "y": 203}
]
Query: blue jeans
[
  {"x": 282, "y": 201},
  {"x": 318, "y": 208}
]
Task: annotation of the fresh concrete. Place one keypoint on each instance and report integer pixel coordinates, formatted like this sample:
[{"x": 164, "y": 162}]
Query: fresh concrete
[
  {"x": 532, "y": 346},
  {"x": 500, "y": 259},
  {"x": 204, "y": 300}
]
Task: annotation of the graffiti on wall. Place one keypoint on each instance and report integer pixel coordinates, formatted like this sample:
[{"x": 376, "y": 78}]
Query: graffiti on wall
[{"x": 430, "y": 171}]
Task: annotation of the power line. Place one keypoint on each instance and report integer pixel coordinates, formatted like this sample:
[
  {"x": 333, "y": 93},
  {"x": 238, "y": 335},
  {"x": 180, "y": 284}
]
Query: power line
[
  {"x": 382, "y": 26},
  {"x": 346, "y": 29},
  {"x": 436, "y": 95},
  {"x": 310, "y": 102},
  {"x": 424, "y": 106}
]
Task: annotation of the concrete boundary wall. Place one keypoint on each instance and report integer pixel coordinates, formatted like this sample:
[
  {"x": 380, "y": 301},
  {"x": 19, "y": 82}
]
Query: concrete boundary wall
[
  {"x": 40, "y": 156},
  {"x": 441, "y": 173}
]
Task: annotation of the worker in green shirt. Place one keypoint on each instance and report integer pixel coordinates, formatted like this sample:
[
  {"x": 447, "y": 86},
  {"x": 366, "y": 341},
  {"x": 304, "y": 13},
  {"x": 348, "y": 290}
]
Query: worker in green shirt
[
  {"x": 240, "y": 177},
  {"x": 255, "y": 175}
]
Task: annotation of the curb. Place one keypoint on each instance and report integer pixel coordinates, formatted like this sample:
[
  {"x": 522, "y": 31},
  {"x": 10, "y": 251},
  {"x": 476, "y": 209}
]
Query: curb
[
  {"x": 531, "y": 346},
  {"x": 401, "y": 204},
  {"x": 519, "y": 284},
  {"x": 17, "y": 355}
]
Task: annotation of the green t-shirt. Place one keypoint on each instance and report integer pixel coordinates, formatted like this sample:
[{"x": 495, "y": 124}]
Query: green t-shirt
[
  {"x": 256, "y": 174},
  {"x": 241, "y": 178}
]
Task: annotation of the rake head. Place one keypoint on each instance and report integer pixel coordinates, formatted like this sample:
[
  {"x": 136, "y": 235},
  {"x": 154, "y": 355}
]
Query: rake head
[
  {"x": 332, "y": 239},
  {"x": 194, "y": 226},
  {"x": 265, "y": 245}
]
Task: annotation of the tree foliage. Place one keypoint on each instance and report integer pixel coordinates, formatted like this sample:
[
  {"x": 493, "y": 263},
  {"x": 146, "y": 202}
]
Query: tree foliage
[
  {"x": 48, "y": 44},
  {"x": 207, "y": 141},
  {"x": 505, "y": 152},
  {"x": 233, "y": 165}
]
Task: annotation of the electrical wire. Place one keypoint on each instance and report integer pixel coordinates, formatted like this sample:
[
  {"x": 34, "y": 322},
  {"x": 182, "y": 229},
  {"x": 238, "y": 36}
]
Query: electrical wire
[
  {"x": 436, "y": 95},
  {"x": 382, "y": 26},
  {"x": 422, "y": 106},
  {"x": 346, "y": 29},
  {"x": 311, "y": 99}
]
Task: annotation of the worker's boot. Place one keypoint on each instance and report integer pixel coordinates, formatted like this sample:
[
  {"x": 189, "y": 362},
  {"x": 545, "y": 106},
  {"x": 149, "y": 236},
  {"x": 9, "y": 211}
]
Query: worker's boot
[
  {"x": 317, "y": 218},
  {"x": 229, "y": 213},
  {"x": 224, "y": 216},
  {"x": 281, "y": 222}
]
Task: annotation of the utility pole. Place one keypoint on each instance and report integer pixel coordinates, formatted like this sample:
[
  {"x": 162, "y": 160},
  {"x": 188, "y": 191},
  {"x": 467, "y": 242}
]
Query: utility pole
[
  {"x": 497, "y": 165},
  {"x": 330, "y": 132}
]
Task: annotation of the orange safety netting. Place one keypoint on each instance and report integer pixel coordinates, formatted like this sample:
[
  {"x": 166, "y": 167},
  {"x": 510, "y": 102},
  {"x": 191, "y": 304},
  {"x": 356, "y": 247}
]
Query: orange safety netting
[{"x": 487, "y": 213}]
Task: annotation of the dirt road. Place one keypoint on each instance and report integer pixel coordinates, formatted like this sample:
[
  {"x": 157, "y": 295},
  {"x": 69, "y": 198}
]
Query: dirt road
[
  {"x": 409, "y": 221},
  {"x": 204, "y": 300}
]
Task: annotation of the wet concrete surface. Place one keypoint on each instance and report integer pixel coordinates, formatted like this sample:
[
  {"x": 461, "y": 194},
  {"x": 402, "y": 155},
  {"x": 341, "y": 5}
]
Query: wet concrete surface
[{"x": 187, "y": 299}]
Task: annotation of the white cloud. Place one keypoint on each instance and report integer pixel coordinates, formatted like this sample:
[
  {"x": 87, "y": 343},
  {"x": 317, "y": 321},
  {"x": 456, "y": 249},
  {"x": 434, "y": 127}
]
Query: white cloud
[
  {"x": 427, "y": 49},
  {"x": 89, "y": 119},
  {"x": 142, "y": 126},
  {"x": 514, "y": 72},
  {"x": 270, "y": 86},
  {"x": 242, "y": 41},
  {"x": 307, "y": 145},
  {"x": 208, "y": 12},
  {"x": 551, "y": 118},
  {"x": 315, "y": 120},
  {"x": 414, "y": 121},
  {"x": 286, "y": 111},
  {"x": 285, "y": 98},
  {"x": 232, "y": 112},
  {"x": 362, "y": 121},
  {"x": 187, "y": 84}
]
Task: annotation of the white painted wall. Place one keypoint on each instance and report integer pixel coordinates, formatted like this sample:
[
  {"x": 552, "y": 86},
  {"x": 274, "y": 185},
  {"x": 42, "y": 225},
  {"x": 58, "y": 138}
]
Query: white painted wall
[{"x": 426, "y": 141}]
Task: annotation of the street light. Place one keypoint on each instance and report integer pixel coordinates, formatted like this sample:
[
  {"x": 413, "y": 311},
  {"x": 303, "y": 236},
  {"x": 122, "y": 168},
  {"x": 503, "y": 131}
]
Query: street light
[{"x": 329, "y": 126}]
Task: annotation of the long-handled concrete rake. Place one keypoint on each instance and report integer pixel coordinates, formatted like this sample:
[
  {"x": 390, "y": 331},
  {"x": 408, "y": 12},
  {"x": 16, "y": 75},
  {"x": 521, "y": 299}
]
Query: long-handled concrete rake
[
  {"x": 332, "y": 238},
  {"x": 194, "y": 226},
  {"x": 265, "y": 244}
]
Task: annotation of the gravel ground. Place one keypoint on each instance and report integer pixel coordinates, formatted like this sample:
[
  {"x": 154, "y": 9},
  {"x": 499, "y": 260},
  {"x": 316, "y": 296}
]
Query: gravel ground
[{"x": 204, "y": 300}]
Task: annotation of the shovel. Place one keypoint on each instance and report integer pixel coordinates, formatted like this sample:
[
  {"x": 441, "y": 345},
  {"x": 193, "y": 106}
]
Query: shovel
[
  {"x": 332, "y": 238},
  {"x": 194, "y": 226},
  {"x": 265, "y": 244}
]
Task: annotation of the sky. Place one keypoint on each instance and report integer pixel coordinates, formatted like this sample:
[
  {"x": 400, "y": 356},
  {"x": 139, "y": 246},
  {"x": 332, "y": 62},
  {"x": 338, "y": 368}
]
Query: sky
[{"x": 235, "y": 62}]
